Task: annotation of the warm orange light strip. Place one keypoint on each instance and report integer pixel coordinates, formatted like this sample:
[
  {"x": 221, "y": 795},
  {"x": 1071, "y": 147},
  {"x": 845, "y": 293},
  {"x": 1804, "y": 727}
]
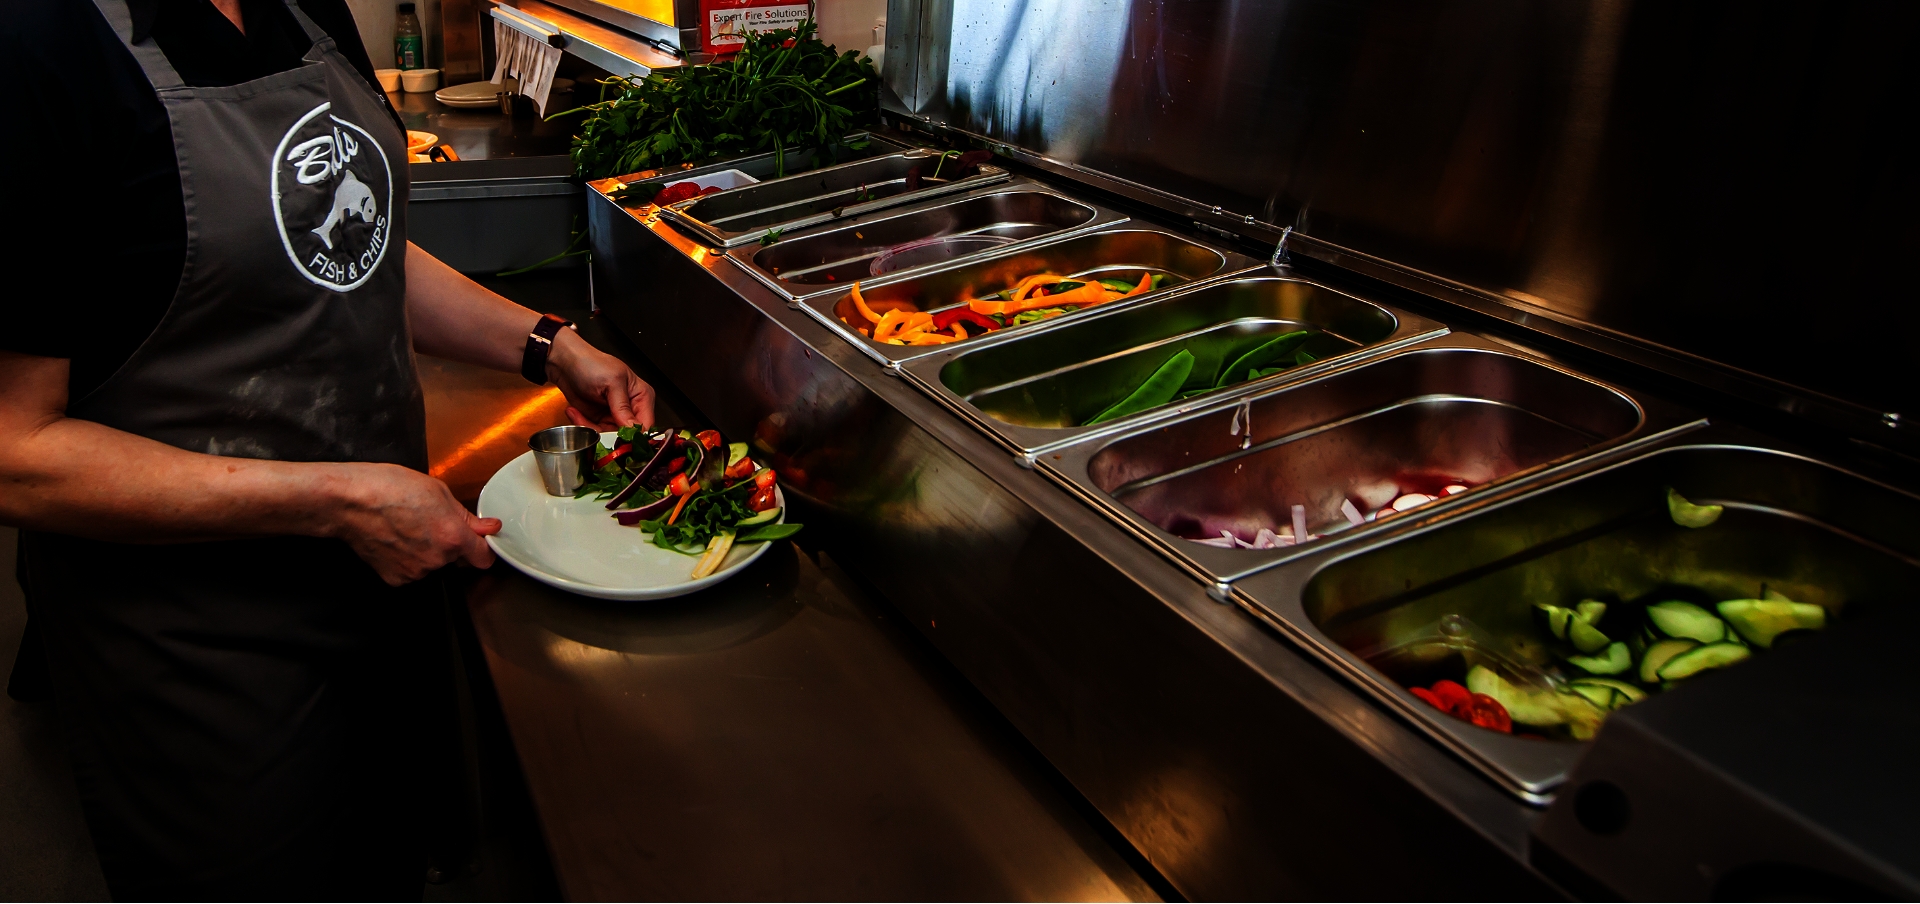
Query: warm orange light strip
[{"x": 515, "y": 419}]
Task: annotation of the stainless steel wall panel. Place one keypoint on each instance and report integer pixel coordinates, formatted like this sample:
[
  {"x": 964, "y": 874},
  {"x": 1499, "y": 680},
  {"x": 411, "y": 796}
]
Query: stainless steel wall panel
[{"x": 1714, "y": 182}]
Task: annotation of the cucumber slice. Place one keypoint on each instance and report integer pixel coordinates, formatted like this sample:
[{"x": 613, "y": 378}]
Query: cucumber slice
[
  {"x": 1557, "y": 617},
  {"x": 1537, "y": 707},
  {"x": 1700, "y": 659},
  {"x": 1526, "y": 706},
  {"x": 1686, "y": 514},
  {"x": 1686, "y": 620},
  {"x": 1591, "y": 610},
  {"x": 1762, "y": 620},
  {"x": 1615, "y": 660},
  {"x": 1602, "y": 697},
  {"x": 1584, "y": 636},
  {"x": 1658, "y": 655},
  {"x": 735, "y": 452},
  {"x": 1628, "y": 693},
  {"x": 760, "y": 517}
]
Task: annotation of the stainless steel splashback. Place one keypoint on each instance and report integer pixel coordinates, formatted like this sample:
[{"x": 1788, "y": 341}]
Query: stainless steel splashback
[{"x": 1724, "y": 191}]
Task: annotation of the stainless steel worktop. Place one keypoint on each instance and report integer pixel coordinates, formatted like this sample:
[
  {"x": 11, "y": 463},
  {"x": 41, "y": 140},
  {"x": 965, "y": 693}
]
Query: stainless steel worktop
[{"x": 780, "y": 736}]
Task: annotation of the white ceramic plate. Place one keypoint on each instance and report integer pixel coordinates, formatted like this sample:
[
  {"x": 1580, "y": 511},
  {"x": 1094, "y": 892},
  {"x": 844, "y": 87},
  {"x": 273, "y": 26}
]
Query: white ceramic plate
[
  {"x": 575, "y": 545},
  {"x": 478, "y": 95}
]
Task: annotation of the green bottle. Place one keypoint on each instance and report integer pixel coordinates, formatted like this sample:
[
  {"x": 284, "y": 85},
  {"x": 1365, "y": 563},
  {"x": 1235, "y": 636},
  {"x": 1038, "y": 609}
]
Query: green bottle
[{"x": 409, "y": 49}]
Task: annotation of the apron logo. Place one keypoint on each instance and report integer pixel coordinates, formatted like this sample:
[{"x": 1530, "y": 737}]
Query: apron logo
[{"x": 332, "y": 199}]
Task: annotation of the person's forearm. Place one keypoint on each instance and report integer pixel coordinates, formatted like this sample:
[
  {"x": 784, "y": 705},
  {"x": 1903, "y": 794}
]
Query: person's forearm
[
  {"x": 456, "y": 318},
  {"x": 78, "y": 477}
]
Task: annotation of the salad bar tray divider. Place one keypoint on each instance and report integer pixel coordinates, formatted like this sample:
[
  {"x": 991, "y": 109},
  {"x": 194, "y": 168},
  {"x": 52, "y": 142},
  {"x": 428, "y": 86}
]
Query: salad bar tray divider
[
  {"x": 1013, "y": 214},
  {"x": 1041, "y": 389}
]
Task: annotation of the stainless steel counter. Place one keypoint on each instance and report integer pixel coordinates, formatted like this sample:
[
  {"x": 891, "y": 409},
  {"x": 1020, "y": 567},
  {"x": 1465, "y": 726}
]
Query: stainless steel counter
[{"x": 780, "y": 736}]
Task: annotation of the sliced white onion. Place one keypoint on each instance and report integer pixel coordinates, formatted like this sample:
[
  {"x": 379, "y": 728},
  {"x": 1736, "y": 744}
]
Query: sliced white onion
[
  {"x": 1453, "y": 488},
  {"x": 1410, "y": 500}
]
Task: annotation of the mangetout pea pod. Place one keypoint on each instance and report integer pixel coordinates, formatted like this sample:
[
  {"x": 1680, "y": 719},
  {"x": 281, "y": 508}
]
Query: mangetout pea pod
[
  {"x": 1263, "y": 356},
  {"x": 1158, "y": 390}
]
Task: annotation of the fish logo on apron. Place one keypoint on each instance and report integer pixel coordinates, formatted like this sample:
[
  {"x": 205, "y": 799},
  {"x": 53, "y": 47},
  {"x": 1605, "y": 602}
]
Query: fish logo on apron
[{"x": 332, "y": 199}]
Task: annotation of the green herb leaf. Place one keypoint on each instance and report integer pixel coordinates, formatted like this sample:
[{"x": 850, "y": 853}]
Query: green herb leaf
[{"x": 768, "y": 533}]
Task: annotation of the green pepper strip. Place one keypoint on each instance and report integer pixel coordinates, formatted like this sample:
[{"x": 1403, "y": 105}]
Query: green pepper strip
[
  {"x": 1263, "y": 356},
  {"x": 1158, "y": 390}
]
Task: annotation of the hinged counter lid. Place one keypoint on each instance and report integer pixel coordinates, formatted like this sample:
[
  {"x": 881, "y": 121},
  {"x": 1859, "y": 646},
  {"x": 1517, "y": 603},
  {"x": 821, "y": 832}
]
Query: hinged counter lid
[{"x": 1722, "y": 193}]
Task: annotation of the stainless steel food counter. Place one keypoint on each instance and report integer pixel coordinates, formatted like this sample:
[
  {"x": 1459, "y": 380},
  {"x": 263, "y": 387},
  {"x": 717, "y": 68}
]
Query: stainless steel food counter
[{"x": 1218, "y": 705}]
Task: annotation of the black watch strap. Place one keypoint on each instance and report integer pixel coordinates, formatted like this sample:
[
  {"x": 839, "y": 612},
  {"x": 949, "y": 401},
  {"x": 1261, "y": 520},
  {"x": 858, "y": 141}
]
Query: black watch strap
[{"x": 533, "y": 364}]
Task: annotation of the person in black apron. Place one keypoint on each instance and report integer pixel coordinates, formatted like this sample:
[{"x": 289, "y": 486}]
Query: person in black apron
[{"x": 225, "y": 541}]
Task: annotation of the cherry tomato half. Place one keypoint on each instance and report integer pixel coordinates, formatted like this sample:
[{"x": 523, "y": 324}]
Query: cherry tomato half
[
  {"x": 1452, "y": 695},
  {"x": 764, "y": 478},
  {"x": 1487, "y": 713},
  {"x": 762, "y": 499},
  {"x": 1428, "y": 696},
  {"x": 679, "y": 485}
]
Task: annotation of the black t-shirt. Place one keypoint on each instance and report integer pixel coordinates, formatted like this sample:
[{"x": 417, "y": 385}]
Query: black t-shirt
[{"x": 94, "y": 189}]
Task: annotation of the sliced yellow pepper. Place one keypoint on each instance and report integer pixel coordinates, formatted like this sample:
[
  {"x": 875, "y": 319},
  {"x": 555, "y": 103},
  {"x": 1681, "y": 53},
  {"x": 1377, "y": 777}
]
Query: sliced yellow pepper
[
  {"x": 929, "y": 339},
  {"x": 888, "y": 324}
]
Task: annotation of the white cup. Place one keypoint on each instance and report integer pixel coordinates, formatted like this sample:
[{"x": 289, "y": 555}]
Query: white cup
[
  {"x": 389, "y": 79},
  {"x": 419, "y": 81}
]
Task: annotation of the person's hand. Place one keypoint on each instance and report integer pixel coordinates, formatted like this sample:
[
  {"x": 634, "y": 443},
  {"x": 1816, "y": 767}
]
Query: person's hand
[
  {"x": 601, "y": 392},
  {"x": 405, "y": 524}
]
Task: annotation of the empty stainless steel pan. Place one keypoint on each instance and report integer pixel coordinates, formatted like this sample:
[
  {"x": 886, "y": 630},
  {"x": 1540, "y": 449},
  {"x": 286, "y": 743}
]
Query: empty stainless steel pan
[
  {"x": 830, "y": 259},
  {"x": 1423, "y": 605},
  {"x": 1039, "y": 389},
  {"x": 1453, "y": 411},
  {"x": 1116, "y": 252},
  {"x": 768, "y": 210}
]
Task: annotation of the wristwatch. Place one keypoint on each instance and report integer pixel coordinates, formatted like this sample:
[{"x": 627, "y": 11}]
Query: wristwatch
[{"x": 533, "y": 364}]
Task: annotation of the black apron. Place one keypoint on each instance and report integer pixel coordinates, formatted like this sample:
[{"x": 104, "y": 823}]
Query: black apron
[{"x": 245, "y": 717}]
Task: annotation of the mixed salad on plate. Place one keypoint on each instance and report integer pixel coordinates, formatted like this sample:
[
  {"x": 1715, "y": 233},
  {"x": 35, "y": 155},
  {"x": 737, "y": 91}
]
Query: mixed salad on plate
[{"x": 695, "y": 493}]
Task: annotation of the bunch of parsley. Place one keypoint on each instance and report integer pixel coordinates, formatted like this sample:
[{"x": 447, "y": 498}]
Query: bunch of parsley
[{"x": 784, "y": 90}]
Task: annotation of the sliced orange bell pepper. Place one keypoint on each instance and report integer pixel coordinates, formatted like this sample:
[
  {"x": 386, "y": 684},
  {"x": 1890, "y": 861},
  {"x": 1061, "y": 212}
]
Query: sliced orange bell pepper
[
  {"x": 929, "y": 339},
  {"x": 860, "y": 304},
  {"x": 959, "y": 331},
  {"x": 1145, "y": 285},
  {"x": 1031, "y": 283}
]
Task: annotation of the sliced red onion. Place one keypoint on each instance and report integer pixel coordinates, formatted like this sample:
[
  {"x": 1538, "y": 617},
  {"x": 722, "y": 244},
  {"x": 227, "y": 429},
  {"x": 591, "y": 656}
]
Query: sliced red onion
[
  {"x": 653, "y": 464},
  {"x": 647, "y": 512},
  {"x": 1300, "y": 534},
  {"x": 1453, "y": 488},
  {"x": 1352, "y": 512}
]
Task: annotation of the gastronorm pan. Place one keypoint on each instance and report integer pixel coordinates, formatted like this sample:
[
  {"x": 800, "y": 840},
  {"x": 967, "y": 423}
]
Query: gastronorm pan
[
  {"x": 1121, "y": 251},
  {"x": 829, "y": 258},
  {"x": 1456, "y": 410},
  {"x": 767, "y": 210},
  {"x": 1793, "y": 526},
  {"x": 1036, "y": 389}
]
